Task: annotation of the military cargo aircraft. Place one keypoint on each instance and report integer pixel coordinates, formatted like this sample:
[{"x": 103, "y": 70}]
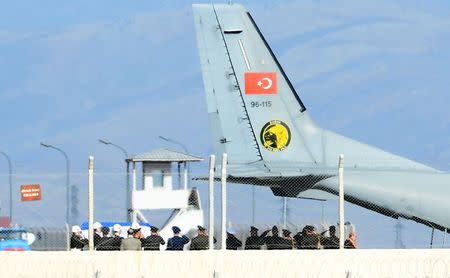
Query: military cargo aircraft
[{"x": 257, "y": 117}]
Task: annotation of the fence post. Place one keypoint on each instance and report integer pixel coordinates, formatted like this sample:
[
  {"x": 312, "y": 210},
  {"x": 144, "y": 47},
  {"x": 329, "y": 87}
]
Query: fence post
[
  {"x": 341, "y": 202},
  {"x": 185, "y": 175},
  {"x": 284, "y": 212},
  {"x": 432, "y": 238},
  {"x": 133, "y": 211},
  {"x": 445, "y": 237},
  {"x": 224, "y": 202},
  {"x": 91, "y": 203},
  {"x": 253, "y": 204},
  {"x": 212, "y": 163},
  {"x": 68, "y": 235},
  {"x": 128, "y": 215}
]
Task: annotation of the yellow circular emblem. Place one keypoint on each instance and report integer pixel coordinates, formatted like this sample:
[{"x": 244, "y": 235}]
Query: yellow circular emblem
[{"x": 275, "y": 136}]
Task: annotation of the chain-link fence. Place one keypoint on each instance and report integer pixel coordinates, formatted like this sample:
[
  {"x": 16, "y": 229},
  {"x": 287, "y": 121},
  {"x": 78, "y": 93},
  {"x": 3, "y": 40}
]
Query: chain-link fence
[
  {"x": 34, "y": 212},
  {"x": 287, "y": 211},
  {"x": 372, "y": 229},
  {"x": 303, "y": 209}
]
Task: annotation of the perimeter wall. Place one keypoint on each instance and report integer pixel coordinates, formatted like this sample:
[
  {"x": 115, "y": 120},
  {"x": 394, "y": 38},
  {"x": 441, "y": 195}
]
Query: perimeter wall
[{"x": 289, "y": 263}]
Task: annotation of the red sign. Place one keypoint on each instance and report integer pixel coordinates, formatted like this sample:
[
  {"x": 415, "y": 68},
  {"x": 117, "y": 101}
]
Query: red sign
[
  {"x": 30, "y": 192},
  {"x": 260, "y": 83},
  {"x": 4, "y": 221}
]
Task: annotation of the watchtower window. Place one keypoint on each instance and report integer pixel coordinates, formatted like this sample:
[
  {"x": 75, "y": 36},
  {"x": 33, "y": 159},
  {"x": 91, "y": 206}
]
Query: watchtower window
[{"x": 158, "y": 178}]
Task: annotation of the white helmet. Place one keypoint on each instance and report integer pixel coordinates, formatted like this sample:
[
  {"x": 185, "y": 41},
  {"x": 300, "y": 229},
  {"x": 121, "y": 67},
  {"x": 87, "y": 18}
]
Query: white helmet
[
  {"x": 76, "y": 229},
  {"x": 117, "y": 228},
  {"x": 135, "y": 226},
  {"x": 97, "y": 225}
]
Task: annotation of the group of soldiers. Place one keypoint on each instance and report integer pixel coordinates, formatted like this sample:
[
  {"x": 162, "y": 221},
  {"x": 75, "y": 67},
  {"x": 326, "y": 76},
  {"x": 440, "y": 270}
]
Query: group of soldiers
[
  {"x": 308, "y": 238},
  {"x": 106, "y": 241}
]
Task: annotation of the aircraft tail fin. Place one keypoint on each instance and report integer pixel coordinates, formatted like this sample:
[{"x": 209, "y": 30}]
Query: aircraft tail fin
[
  {"x": 246, "y": 88},
  {"x": 255, "y": 113}
]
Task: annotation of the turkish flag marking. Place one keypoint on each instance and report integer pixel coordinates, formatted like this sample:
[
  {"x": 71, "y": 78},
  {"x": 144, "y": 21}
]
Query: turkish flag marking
[{"x": 260, "y": 83}]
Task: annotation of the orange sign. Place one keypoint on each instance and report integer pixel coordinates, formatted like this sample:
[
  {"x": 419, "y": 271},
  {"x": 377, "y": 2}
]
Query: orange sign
[
  {"x": 260, "y": 83},
  {"x": 30, "y": 192}
]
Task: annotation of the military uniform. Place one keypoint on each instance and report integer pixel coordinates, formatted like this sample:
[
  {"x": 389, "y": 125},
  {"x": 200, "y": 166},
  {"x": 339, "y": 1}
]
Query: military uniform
[
  {"x": 254, "y": 242},
  {"x": 286, "y": 243},
  {"x": 177, "y": 242},
  {"x": 77, "y": 242},
  {"x": 348, "y": 244},
  {"x": 232, "y": 242},
  {"x": 331, "y": 242},
  {"x": 200, "y": 242},
  {"x": 97, "y": 239},
  {"x": 310, "y": 241},
  {"x": 275, "y": 242},
  {"x": 97, "y": 233},
  {"x": 131, "y": 243},
  {"x": 152, "y": 242},
  {"x": 298, "y": 238},
  {"x": 109, "y": 243}
]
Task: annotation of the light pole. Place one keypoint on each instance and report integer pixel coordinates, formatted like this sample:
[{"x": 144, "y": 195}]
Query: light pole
[
  {"x": 67, "y": 178},
  {"x": 125, "y": 153},
  {"x": 184, "y": 149},
  {"x": 117, "y": 146},
  {"x": 10, "y": 184}
]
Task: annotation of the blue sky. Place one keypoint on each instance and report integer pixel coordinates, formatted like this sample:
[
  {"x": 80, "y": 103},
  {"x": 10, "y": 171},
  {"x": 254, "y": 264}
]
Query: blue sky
[{"x": 73, "y": 72}]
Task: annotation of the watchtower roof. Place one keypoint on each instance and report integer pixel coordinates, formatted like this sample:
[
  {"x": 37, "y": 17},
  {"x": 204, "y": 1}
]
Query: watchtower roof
[{"x": 165, "y": 155}]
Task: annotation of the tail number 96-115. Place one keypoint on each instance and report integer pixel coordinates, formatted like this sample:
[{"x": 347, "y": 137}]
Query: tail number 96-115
[{"x": 261, "y": 104}]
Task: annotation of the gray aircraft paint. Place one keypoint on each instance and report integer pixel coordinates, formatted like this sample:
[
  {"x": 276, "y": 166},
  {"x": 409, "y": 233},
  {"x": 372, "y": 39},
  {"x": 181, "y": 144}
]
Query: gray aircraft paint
[{"x": 230, "y": 44}]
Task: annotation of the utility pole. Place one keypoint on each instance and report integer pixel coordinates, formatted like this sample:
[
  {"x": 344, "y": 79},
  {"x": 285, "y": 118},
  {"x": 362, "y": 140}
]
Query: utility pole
[
  {"x": 398, "y": 234},
  {"x": 127, "y": 183},
  {"x": 68, "y": 220},
  {"x": 10, "y": 185}
]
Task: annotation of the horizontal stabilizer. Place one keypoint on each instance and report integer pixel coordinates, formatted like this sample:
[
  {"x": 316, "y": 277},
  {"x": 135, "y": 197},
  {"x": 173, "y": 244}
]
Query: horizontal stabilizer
[{"x": 317, "y": 195}]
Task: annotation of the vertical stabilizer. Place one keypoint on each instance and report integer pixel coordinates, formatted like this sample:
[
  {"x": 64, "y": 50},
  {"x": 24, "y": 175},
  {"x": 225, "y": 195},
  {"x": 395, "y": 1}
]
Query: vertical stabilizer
[
  {"x": 255, "y": 114},
  {"x": 252, "y": 105}
]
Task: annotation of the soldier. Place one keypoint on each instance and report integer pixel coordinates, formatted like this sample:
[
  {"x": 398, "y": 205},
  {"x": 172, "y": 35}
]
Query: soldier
[
  {"x": 274, "y": 241},
  {"x": 350, "y": 242},
  {"x": 116, "y": 240},
  {"x": 113, "y": 242},
  {"x": 153, "y": 241},
  {"x": 233, "y": 243},
  {"x": 298, "y": 238},
  {"x": 177, "y": 242},
  {"x": 134, "y": 242},
  {"x": 103, "y": 243},
  {"x": 311, "y": 239},
  {"x": 331, "y": 242},
  {"x": 254, "y": 242},
  {"x": 201, "y": 241},
  {"x": 97, "y": 233},
  {"x": 117, "y": 231},
  {"x": 288, "y": 241},
  {"x": 77, "y": 240},
  {"x": 129, "y": 232}
]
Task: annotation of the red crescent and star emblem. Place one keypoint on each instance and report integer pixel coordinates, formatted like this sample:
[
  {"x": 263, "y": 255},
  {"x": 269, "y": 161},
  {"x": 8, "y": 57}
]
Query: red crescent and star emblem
[{"x": 260, "y": 83}]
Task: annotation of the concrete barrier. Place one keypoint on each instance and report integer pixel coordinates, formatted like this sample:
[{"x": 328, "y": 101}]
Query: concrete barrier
[{"x": 283, "y": 263}]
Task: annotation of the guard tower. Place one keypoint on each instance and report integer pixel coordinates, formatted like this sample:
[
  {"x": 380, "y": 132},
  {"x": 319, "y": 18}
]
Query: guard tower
[{"x": 157, "y": 191}]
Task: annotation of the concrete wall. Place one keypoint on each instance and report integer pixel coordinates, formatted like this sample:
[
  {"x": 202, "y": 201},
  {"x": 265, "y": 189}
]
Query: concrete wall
[{"x": 289, "y": 263}]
